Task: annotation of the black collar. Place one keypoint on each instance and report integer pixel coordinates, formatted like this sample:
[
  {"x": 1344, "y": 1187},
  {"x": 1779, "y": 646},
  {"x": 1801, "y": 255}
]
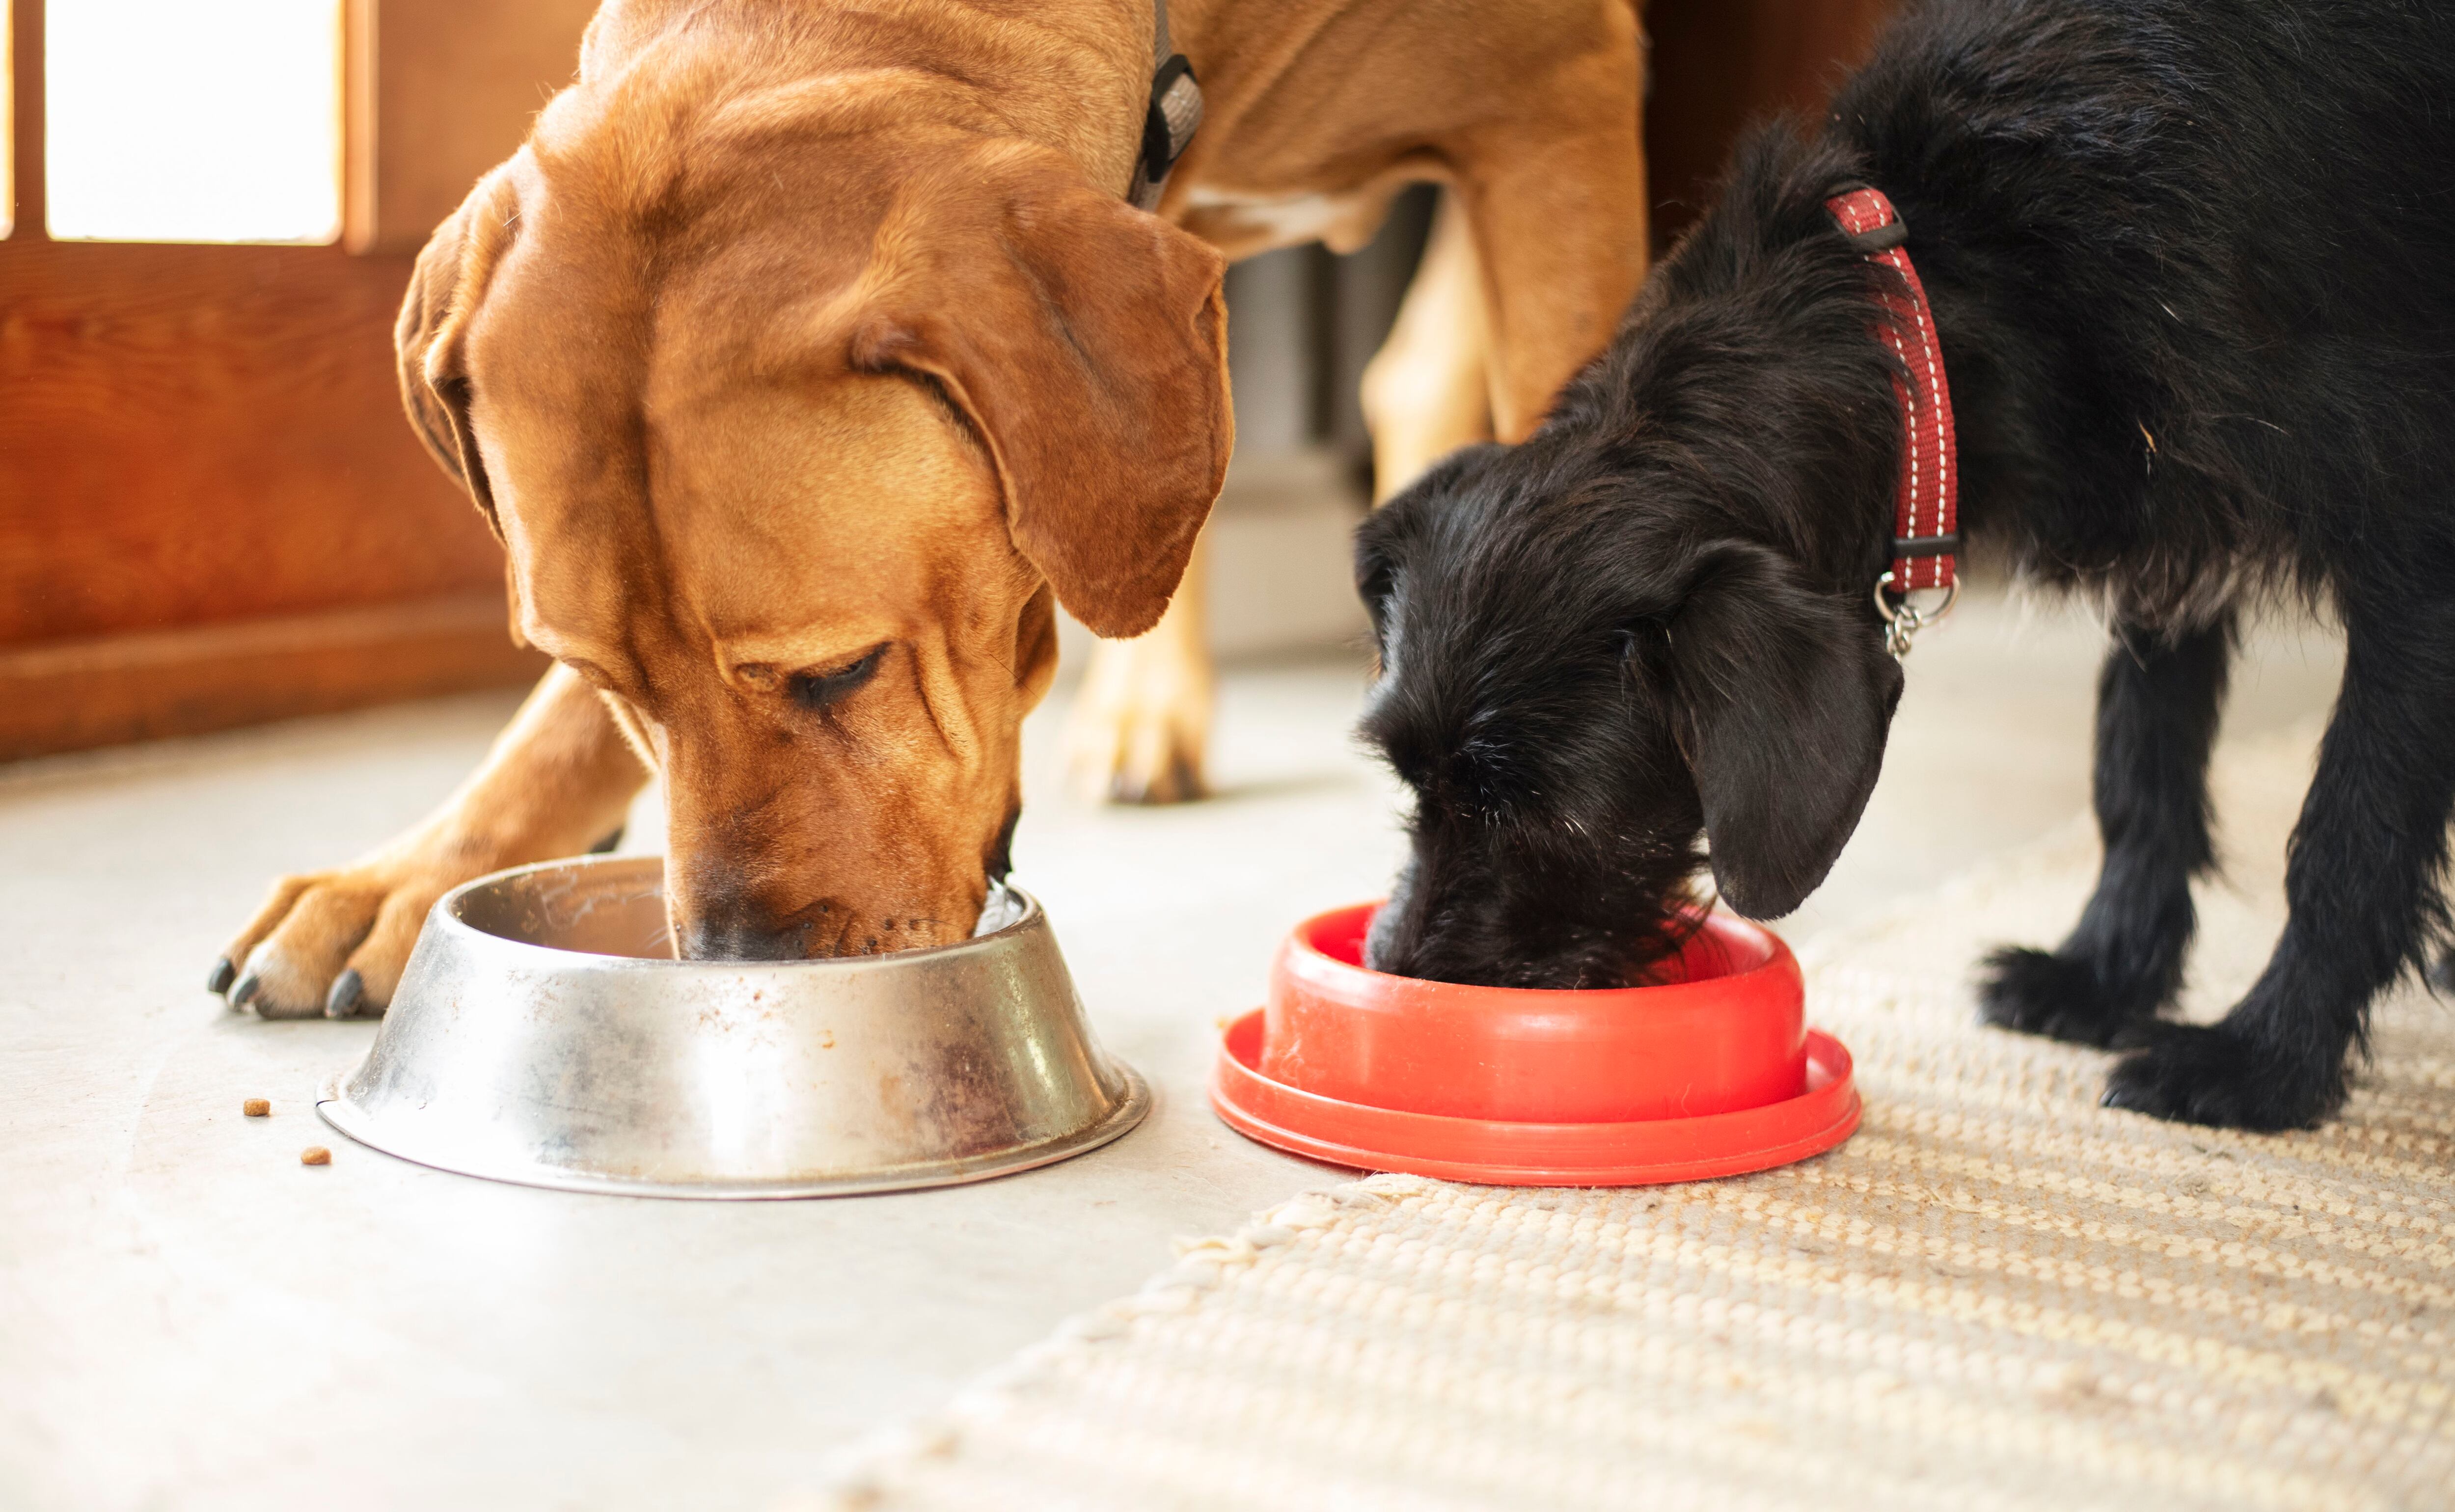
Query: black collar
[{"x": 1175, "y": 114}]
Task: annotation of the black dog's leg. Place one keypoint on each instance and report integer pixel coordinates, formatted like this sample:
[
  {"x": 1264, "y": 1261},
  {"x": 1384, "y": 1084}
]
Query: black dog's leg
[
  {"x": 2156, "y": 706},
  {"x": 2361, "y": 881}
]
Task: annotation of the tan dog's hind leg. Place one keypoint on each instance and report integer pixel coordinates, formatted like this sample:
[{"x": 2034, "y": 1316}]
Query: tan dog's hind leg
[
  {"x": 1427, "y": 391},
  {"x": 1560, "y": 224},
  {"x": 1141, "y": 722},
  {"x": 558, "y": 779}
]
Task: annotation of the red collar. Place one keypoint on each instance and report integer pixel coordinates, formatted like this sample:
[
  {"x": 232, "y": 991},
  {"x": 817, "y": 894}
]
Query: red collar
[{"x": 1926, "y": 509}]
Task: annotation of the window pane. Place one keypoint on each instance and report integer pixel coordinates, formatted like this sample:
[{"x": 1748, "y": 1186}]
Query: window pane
[{"x": 194, "y": 120}]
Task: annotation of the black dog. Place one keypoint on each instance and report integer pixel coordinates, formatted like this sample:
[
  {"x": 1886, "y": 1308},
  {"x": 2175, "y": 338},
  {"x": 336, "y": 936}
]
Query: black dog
[{"x": 2193, "y": 267}]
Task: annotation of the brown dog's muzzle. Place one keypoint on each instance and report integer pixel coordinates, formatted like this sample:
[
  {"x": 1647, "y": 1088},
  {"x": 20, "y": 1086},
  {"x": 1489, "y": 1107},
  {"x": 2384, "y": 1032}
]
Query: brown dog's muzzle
[
  {"x": 779, "y": 850},
  {"x": 778, "y": 901},
  {"x": 775, "y": 897},
  {"x": 720, "y": 919}
]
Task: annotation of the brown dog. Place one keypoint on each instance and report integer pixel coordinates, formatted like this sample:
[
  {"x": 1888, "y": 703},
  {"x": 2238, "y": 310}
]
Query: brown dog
[{"x": 806, "y": 357}]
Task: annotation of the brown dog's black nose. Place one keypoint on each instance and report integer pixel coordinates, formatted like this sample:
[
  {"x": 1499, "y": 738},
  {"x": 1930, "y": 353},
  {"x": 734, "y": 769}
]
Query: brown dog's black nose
[
  {"x": 719, "y": 920},
  {"x": 738, "y": 938}
]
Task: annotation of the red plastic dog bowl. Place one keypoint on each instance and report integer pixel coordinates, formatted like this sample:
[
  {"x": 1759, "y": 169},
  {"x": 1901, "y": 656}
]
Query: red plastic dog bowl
[{"x": 1712, "y": 1073}]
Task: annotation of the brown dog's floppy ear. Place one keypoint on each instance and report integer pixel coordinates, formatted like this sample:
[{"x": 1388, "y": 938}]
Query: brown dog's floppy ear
[
  {"x": 429, "y": 336},
  {"x": 1086, "y": 342},
  {"x": 1788, "y": 694}
]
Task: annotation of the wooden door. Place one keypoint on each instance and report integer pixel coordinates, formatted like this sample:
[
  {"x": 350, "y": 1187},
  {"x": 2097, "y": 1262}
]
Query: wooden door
[
  {"x": 1722, "y": 67},
  {"x": 211, "y": 509}
]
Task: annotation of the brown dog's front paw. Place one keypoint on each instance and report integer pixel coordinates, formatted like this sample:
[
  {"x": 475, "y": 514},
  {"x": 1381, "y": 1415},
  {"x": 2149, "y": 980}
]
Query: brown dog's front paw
[
  {"x": 1140, "y": 723},
  {"x": 331, "y": 943}
]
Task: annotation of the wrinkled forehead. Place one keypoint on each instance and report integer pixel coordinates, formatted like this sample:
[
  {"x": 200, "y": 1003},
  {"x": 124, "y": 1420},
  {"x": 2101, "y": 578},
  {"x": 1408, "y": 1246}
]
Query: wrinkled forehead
[
  {"x": 788, "y": 498},
  {"x": 693, "y": 461}
]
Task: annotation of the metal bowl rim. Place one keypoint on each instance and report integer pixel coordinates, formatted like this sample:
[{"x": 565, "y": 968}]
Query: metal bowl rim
[
  {"x": 445, "y": 916},
  {"x": 1123, "y": 1120}
]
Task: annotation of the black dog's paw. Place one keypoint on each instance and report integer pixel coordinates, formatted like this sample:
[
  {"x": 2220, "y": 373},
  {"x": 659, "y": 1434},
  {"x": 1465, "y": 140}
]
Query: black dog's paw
[
  {"x": 2040, "y": 993},
  {"x": 2195, "y": 1074},
  {"x": 2441, "y": 975}
]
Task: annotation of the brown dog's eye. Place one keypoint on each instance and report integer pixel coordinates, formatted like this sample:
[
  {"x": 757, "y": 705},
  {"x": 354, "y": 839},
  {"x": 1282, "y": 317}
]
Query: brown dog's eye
[{"x": 824, "y": 690}]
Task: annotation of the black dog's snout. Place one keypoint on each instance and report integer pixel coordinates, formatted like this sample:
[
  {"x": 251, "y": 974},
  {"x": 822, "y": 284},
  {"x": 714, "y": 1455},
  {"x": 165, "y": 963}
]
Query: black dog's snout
[{"x": 1390, "y": 943}]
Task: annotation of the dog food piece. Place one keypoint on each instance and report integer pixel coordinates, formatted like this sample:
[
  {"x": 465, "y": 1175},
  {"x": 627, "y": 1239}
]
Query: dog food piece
[
  {"x": 255, "y": 1107},
  {"x": 315, "y": 1154}
]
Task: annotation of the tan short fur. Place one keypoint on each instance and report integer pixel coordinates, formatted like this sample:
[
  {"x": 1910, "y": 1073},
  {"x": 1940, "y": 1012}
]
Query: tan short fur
[{"x": 796, "y": 333}]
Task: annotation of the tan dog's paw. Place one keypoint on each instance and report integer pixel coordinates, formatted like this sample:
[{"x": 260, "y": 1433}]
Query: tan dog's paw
[
  {"x": 1141, "y": 722},
  {"x": 332, "y": 943}
]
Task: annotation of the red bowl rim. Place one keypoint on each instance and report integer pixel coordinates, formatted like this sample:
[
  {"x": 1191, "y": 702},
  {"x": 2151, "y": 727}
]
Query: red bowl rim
[
  {"x": 1719, "y": 1042},
  {"x": 1496, "y": 1151},
  {"x": 1351, "y": 985}
]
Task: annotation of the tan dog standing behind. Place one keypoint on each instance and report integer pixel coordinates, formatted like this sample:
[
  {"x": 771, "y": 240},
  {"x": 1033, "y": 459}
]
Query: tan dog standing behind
[{"x": 806, "y": 357}]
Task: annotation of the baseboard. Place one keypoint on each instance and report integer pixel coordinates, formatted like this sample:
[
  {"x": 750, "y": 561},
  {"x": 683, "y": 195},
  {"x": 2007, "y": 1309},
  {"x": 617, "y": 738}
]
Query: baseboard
[{"x": 76, "y": 695}]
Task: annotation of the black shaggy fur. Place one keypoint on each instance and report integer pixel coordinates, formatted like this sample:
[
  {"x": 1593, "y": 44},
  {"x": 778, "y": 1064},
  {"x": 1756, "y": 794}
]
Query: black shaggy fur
[{"x": 2193, "y": 265}]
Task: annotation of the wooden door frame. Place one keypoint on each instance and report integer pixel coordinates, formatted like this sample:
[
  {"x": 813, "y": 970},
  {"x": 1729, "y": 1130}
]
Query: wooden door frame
[{"x": 25, "y": 119}]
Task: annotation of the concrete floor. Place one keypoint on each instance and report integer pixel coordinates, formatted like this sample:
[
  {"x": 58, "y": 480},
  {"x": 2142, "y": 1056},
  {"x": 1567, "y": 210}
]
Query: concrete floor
[{"x": 190, "y": 1319}]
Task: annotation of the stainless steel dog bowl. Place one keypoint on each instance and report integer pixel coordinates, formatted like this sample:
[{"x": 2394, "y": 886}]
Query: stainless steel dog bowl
[{"x": 544, "y": 1035}]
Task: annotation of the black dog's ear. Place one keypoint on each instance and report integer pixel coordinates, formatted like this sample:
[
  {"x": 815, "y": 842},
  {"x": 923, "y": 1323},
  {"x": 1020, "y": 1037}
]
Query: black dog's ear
[
  {"x": 1376, "y": 571},
  {"x": 1383, "y": 537},
  {"x": 1787, "y": 695}
]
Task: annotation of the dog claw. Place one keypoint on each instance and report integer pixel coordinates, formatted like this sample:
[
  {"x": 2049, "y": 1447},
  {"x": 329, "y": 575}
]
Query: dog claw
[
  {"x": 219, "y": 979},
  {"x": 245, "y": 992},
  {"x": 348, "y": 990}
]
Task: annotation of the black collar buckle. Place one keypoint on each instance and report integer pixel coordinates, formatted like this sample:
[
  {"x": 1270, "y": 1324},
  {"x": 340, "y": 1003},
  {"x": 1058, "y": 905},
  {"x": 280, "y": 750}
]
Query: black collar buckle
[{"x": 1175, "y": 115}]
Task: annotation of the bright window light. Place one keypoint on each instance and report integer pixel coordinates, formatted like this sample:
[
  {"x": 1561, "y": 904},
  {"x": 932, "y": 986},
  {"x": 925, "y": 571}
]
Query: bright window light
[{"x": 192, "y": 120}]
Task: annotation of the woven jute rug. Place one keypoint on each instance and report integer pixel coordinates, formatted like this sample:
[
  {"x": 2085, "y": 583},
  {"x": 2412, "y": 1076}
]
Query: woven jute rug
[{"x": 1996, "y": 1294}]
